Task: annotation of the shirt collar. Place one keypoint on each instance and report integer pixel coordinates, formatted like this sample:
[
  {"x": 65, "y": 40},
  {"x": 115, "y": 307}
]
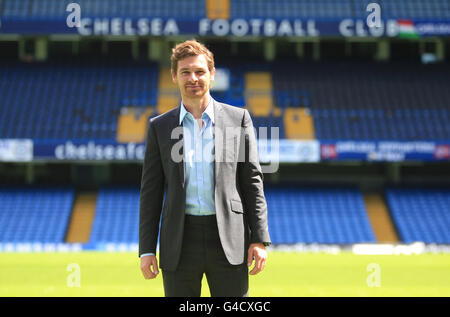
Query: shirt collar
[{"x": 209, "y": 111}]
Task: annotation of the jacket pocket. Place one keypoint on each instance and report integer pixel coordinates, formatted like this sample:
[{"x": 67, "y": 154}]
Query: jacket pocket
[{"x": 236, "y": 206}]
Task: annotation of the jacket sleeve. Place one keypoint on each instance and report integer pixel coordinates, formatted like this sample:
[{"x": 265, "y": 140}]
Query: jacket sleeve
[
  {"x": 151, "y": 194},
  {"x": 251, "y": 185}
]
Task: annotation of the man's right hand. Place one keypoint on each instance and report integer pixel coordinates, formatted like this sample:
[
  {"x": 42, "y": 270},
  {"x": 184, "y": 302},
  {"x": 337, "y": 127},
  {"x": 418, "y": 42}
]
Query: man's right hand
[{"x": 149, "y": 266}]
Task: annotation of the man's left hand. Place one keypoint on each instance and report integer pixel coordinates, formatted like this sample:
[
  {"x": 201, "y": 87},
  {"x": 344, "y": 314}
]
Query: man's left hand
[{"x": 257, "y": 251}]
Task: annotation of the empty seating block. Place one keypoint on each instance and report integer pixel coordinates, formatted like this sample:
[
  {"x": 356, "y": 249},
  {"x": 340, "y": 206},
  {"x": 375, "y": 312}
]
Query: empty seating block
[
  {"x": 298, "y": 124},
  {"x": 35, "y": 214},
  {"x": 404, "y": 101},
  {"x": 218, "y": 9},
  {"x": 421, "y": 214},
  {"x": 109, "y": 8},
  {"x": 269, "y": 127},
  {"x": 317, "y": 215},
  {"x": 132, "y": 124},
  {"x": 291, "y": 9},
  {"x": 116, "y": 216},
  {"x": 338, "y": 9},
  {"x": 168, "y": 94},
  {"x": 258, "y": 81},
  {"x": 380, "y": 218},
  {"x": 308, "y": 215},
  {"x": 167, "y": 101},
  {"x": 235, "y": 94},
  {"x": 197, "y": 9},
  {"x": 51, "y": 8},
  {"x": 258, "y": 91},
  {"x": 79, "y": 229},
  {"x": 76, "y": 100}
]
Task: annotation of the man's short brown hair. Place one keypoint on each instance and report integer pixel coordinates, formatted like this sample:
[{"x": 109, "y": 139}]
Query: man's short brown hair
[{"x": 190, "y": 48}]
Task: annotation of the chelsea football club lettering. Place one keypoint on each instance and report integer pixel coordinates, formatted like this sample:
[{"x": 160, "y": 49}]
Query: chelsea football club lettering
[
  {"x": 237, "y": 27},
  {"x": 78, "y": 21},
  {"x": 127, "y": 26},
  {"x": 258, "y": 27},
  {"x": 219, "y": 27},
  {"x": 222, "y": 27}
]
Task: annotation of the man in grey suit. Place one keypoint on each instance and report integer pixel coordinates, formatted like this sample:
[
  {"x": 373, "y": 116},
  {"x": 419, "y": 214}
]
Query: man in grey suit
[{"x": 202, "y": 178}]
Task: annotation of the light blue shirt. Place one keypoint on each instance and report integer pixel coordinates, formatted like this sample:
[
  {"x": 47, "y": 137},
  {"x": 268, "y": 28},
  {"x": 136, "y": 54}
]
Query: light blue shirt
[{"x": 199, "y": 162}]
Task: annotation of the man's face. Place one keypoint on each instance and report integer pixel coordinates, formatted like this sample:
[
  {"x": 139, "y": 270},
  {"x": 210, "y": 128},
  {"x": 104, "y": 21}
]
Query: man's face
[{"x": 193, "y": 76}]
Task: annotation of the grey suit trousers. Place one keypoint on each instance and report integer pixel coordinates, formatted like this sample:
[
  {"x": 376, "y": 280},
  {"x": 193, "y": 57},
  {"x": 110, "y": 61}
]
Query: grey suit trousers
[{"x": 202, "y": 253}]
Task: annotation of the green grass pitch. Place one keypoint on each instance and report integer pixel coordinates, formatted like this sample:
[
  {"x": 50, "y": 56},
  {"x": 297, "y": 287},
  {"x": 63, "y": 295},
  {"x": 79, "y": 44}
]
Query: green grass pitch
[{"x": 287, "y": 274}]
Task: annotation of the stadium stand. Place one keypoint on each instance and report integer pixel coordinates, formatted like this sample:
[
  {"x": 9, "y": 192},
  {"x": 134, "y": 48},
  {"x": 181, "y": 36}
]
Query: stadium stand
[
  {"x": 195, "y": 9},
  {"x": 259, "y": 91},
  {"x": 324, "y": 100},
  {"x": 235, "y": 95},
  {"x": 34, "y": 214},
  {"x": 297, "y": 214},
  {"x": 168, "y": 95},
  {"x": 266, "y": 124},
  {"x": 50, "y": 9},
  {"x": 331, "y": 9},
  {"x": 317, "y": 215},
  {"x": 380, "y": 218},
  {"x": 298, "y": 123},
  {"x": 413, "y": 9},
  {"x": 291, "y": 8},
  {"x": 421, "y": 214},
  {"x": 334, "y": 100},
  {"x": 83, "y": 212},
  {"x": 363, "y": 100},
  {"x": 132, "y": 124},
  {"x": 218, "y": 9},
  {"x": 116, "y": 216},
  {"x": 79, "y": 100}
]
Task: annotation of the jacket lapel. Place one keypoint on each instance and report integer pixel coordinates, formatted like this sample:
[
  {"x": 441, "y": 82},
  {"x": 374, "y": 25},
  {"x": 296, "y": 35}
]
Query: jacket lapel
[
  {"x": 218, "y": 139},
  {"x": 177, "y": 125}
]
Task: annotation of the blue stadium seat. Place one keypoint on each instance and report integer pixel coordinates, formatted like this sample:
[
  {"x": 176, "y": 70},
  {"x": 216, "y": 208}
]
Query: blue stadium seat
[
  {"x": 51, "y": 9},
  {"x": 338, "y": 9},
  {"x": 308, "y": 215},
  {"x": 116, "y": 216},
  {"x": 421, "y": 214},
  {"x": 82, "y": 100},
  {"x": 195, "y": 9},
  {"x": 291, "y": 9},
  {"x": 264, "y": 126},
  {"x": 356, "y": 101},
  {"x": 35, "y": 214},
  {"x": 78, "y": 100},
  {"x": 317, "y": 215}
]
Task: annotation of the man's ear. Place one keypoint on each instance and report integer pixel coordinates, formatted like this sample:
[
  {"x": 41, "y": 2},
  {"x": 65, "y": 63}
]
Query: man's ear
[
  {"x": 174, "y": 76},
  {"x": 213, "y": 73}
]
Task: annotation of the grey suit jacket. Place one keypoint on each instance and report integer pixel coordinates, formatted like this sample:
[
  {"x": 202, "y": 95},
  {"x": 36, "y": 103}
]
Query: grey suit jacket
[{"x": 241, "y": 209}]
